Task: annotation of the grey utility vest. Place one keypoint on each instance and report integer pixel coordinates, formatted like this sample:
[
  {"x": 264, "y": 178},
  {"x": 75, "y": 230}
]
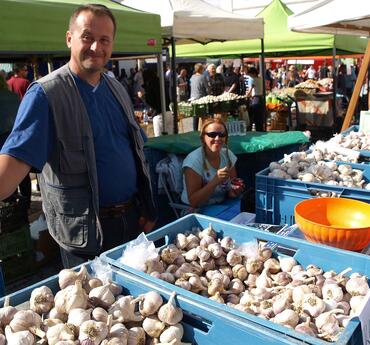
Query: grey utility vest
[{"x": 68, "y": 181}]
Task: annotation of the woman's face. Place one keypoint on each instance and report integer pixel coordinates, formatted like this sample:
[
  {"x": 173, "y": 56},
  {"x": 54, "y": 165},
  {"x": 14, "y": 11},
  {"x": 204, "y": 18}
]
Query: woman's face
[{"x": 214, "y": 137}]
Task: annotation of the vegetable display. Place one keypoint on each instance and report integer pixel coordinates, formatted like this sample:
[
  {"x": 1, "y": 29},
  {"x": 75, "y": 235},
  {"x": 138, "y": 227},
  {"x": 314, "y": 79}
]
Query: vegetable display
[
  {"x": 87, "y": 312},
  {"x": 249, "y": 278}
]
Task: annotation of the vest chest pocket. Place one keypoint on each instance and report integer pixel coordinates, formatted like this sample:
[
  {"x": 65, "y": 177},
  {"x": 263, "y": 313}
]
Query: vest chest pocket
[{"x": 72, "y": 158}]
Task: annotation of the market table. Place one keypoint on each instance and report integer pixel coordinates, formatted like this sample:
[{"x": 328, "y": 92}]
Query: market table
[{"x": 255, "y": 151}]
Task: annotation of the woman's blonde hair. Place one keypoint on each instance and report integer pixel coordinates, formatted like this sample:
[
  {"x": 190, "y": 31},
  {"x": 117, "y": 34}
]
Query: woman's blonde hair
[{"x": 203, "y": 132}]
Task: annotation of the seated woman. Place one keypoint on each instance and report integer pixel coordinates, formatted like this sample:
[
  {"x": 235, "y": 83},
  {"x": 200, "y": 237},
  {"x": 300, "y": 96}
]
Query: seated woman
[{"x": 208, "y": 170}]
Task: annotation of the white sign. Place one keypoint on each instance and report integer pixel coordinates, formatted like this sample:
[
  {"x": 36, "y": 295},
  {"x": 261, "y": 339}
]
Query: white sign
[{"x": 365, "y": 121}]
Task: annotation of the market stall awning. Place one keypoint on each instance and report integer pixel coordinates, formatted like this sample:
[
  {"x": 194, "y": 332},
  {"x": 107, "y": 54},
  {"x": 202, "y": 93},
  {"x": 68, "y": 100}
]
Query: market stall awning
[
  {"x": 344, "y": 18},
  {"x": 197, "y": 21},
  {"x": 279, "y": 40},
  {"x": 39, "y": 27}
]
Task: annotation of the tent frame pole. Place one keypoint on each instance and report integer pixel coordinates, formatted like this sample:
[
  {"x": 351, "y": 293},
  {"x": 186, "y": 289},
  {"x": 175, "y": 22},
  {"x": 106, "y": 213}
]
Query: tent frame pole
[
  {"x": 162, "y": 92},
  {"x": 356, "y": 91},
  {"x": 334, "y": 84},
  {"x": 174, "y": 84},
  {"x": 263, "y": 71}
]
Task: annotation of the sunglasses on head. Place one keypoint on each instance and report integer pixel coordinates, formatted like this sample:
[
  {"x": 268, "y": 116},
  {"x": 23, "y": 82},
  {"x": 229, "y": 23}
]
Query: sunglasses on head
[{"x": 216, "y": 134}]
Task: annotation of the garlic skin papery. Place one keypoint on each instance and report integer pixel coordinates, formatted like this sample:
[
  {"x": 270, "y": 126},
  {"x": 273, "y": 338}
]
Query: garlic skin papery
[
  {"x": 2, "y": 339},
  {"x": 357, "y": 286},
  {"x": 100, "y": 314},
  {"x": 123, "y": 310},
  {"x": 169, "y": 313},
  {"x": 94, "y": 331},
  {"x": 54, "y": 314},
  {"x": 42, "y": 300},
  {"x": 73, "y": 296},
  {"x": 68, "y": 277},
  {"x": 19, "y": 338}
]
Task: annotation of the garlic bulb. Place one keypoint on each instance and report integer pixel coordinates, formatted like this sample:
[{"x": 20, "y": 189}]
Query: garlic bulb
[
  {"x": 6, "y": 313},
  {"x": 357, "y": 286},
  {"x": 103, "y": 293},
  {"x": 55, "y": 314},
  {"x": 91, "y": 284},
  {"x": 287, "y": 263},
  {"x": 42, "y": 300},
  {"x": 68, "y": 277},
  {"x": 136, "y": 336},
  {"x": 99, "y": 314},
  {"x": 23, "y": 320},
  {"x": 78, "y": 316},
  {"x": 19, "y": 338},
  {"x": 123, "y": 310},
  {"x": 172, "y": 333},
  {"x": 60, "y": 332},
  {"x": 332, "y": 291},
  {"x": 2, "y": 339},
  {"x": 93, "y": 330},
  {"x": 153, "y": 326},
  {"x": 313, "y": 305},
  {"x": 149, "y": 303},
  {"x": 287, "y": 317},
  {"x": 169, "y": 313},
  {"x": 118, "y": 331},
  {"x": 73, "y": 296}
]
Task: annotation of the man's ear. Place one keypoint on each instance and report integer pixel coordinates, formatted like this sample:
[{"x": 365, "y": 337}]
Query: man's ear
[{"x": 68, "y": 38}]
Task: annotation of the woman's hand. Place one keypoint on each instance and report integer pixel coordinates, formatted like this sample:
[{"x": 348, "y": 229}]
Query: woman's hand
[{"x": 222, "y": 175}]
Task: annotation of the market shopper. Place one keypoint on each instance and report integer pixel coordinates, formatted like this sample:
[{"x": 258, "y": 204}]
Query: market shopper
[
  {"x": 18, "y": 82},
  {"x": 209, "y": 170},
  {"x": 198, "y": 84},
  {"x": 255, "y": 95},
  {"x": 76, "y": 127},
  {"x": 215, "y": 81}
]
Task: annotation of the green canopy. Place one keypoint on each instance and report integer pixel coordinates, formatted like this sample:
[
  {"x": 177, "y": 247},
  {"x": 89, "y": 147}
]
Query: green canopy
[
  {"x": 39, "y": 27},
  {"x": 279, "y": 40}
]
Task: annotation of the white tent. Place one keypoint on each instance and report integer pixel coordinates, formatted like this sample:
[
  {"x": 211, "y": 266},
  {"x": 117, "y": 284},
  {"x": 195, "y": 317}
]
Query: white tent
[
  {"x": 196, "y": 20},
  {"x": 339, "y": 16},
  {"x": 189, "y": 21},
  {"x": 334, "y": 17}
]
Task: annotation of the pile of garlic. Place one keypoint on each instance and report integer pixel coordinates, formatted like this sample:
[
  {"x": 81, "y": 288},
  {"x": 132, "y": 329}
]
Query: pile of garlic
[
  {"x": 279, "y": 289},
  {"x": 226, "y": 96},
  {"x": 353, "y": 140},
  {"x": 87, "y": 312},
  {"x": 310, "y": 167}
]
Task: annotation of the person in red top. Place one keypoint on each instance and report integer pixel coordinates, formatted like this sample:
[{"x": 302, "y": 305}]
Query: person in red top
[{"x": 19, "y": 83}]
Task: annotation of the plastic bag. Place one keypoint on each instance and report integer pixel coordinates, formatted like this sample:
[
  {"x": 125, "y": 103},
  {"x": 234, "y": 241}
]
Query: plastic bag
[
  {"x": 101, "y": 270},
  {"x": 249, "y": 249},
  {"x": 138, "y": 252}
]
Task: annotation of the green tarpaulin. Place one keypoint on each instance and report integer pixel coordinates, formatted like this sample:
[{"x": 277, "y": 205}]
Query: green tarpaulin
[
  {"x": 249, "y": 143},
  {"x": 279, "y": 40},
  {"x": 39, "y": 27}
]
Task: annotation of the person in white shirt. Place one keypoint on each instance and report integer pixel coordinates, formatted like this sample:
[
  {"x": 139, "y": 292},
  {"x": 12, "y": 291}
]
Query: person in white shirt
[
  {"x": 255, "y": 93},
  {"x": 311, "y": 73}
]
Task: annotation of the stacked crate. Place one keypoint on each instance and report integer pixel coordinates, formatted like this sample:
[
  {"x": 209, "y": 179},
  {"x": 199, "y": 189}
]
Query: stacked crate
[{"x": 16, "y": 249}]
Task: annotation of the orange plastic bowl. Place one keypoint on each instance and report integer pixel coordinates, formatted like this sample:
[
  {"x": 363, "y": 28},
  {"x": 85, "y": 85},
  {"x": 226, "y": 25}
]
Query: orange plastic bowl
[{"x": 338, "y": 222}]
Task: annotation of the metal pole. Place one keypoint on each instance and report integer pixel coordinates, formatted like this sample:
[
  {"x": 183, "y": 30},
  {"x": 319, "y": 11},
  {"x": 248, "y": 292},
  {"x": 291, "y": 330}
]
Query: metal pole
[
  {"x": 262, "y": 71},
  {"x": 50, "y": 66},
  {"x": 334, "y": 86},
  {"x": 174, "y": 84},
  {"x": 162, "y": 91}
]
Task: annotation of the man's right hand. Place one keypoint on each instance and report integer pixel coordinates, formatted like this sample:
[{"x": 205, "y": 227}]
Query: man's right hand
[{"x": 12, "y": 172}]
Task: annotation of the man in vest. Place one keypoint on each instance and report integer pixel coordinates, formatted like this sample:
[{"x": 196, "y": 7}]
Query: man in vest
[{"x": 76, "y": 128}]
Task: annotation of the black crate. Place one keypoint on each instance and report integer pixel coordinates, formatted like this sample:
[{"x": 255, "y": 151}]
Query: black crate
[
  {"x": 13, "y": 214},
  {"x": 18, "y": 266},
  {"x": 15, "y": 242}
]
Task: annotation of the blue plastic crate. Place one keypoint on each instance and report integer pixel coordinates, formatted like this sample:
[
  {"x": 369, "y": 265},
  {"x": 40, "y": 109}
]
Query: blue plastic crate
[
  {"x": 276, "y": 197},
  {"x": 304, "y": 252},
  {"x": 202, "y": 325}
]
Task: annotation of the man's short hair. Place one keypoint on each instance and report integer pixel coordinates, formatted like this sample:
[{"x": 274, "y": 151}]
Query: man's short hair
[
  {"x": 19, "y": 67},
  {"x": 96, "y": 9}
]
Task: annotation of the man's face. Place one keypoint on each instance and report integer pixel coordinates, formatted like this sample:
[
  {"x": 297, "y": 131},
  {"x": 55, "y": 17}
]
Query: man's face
[
  {"x": 212, "y": 70},
  {"x": 23, "y": 73},
  {"x": 91, "y": 42}
]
